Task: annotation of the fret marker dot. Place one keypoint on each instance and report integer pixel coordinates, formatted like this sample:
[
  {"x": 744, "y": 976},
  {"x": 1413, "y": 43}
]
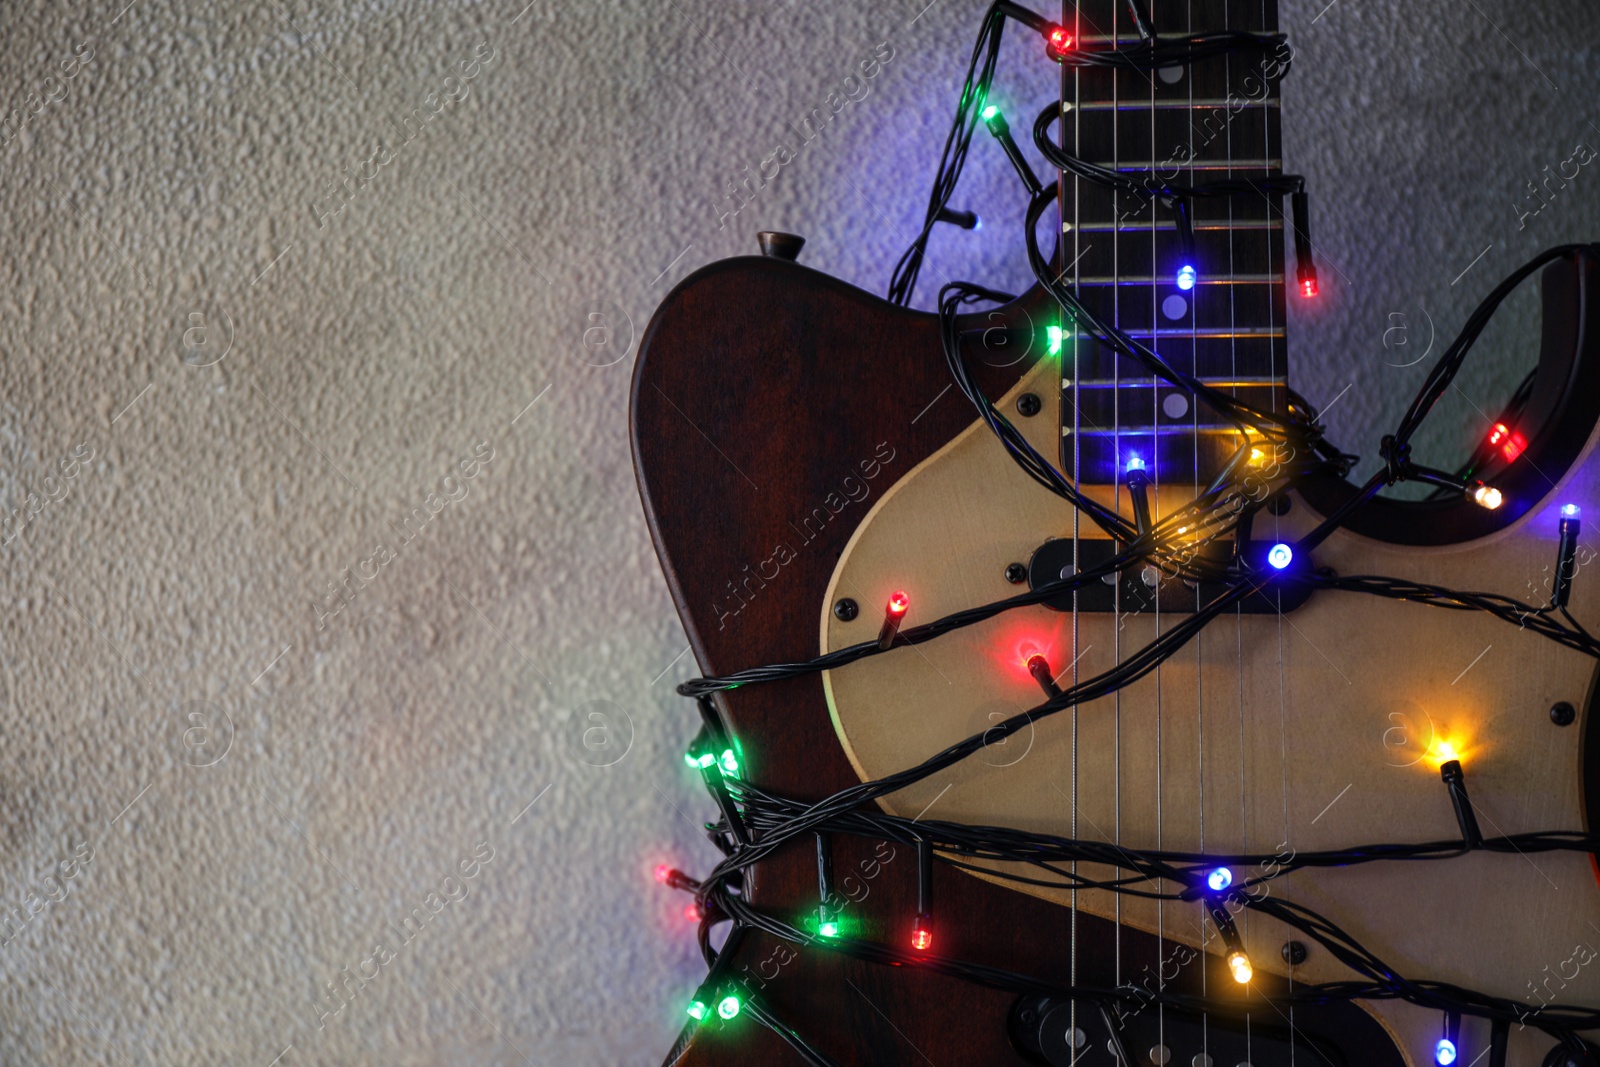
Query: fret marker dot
[
  {"x": 1174, "y": 307},
  {"x": 1171, "y": 75},
  {"x": 1175, "y": 405}
]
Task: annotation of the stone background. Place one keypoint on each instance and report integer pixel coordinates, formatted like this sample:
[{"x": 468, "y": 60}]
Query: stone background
[{"x": 248, "y": 789}]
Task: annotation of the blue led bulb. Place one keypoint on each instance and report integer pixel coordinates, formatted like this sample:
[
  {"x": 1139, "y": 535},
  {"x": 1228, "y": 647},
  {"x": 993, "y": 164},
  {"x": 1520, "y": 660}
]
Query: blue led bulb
[
  {"x": 1280, "y": 556},
  {"x": 1186, "y": 277}
]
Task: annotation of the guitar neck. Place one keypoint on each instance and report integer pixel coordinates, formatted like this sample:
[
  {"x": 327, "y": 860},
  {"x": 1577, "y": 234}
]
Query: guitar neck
[{"x": 1214, "y": 120}]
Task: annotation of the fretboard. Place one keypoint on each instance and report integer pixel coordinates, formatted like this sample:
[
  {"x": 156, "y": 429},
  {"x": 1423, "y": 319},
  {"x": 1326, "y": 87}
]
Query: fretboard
[{"x": 1213, "y": 120}]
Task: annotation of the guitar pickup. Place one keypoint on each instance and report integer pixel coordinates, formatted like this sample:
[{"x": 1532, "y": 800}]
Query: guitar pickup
[{"x": 1141, "y": 586}]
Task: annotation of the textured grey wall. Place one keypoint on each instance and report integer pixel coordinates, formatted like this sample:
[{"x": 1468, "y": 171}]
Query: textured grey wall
[{"x": 218, "y": 794}]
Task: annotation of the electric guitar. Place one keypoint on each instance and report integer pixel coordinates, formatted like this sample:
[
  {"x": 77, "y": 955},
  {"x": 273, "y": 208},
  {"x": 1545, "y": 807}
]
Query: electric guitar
[{"x": 802, "y": 459}]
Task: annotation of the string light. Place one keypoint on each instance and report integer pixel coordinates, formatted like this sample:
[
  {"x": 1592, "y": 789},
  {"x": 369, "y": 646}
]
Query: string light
[
  {"x": 1239, "y": 966},
  {"x": 893, "y": 612},
  {"x": 1280, "y": 556},
  {"x": 1186, "y": 277},
  {"x": 922, "y": 929},
  {"x": 728, "y": 1006},
  {"x": 729, "y": 762},
  {"x": 1566, "y": 555},
  {"x": 1444, "y": 1053},
  {"x": 1058, "y": 42},
  {"x": 1039, "y": 667},
  {"x": 698, "y": 1009},
  {"x": 1486, "y": 496},
  {"x": 1219, "y": 879},
  {"x": 1510, "y": 443},
  {"x": 1054, "y": 335}
]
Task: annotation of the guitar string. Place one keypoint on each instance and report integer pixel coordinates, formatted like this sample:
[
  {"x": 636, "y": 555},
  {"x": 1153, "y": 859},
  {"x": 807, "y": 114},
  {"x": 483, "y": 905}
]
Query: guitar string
[
  {"x": 1238, "y": 613},
  {"x": 1116, "y": 371},
  {"x": 1274, "y": 250},
  {"x": 1077, "y": 484}
]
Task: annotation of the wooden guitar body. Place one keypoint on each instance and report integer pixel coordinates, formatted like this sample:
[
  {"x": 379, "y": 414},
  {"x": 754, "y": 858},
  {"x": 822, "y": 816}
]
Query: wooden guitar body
[{"x": 764, "y": 390}]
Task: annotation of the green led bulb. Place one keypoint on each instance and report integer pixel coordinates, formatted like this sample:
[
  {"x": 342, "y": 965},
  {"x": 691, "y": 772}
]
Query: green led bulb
[
  {"x": 829, "y": 929},
  {"x": 990, "y": 112},
  {"x": 730, "y": 762},
  {"x": 689, "y": 758},
  {"x": 698, "y": 1010},
  {"x": 729, "y": 1007},
  {"x": 1054, "y": 334},
  {"x": 706, "y": 760}
]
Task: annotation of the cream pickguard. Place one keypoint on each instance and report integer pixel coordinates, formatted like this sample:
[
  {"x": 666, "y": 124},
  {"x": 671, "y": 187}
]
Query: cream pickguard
[{"x": 1301, "y": 732}]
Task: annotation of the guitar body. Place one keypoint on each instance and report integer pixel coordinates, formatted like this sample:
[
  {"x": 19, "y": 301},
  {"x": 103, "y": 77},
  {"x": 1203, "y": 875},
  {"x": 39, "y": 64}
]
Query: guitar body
[
  {"x": 764, "y": 370},
  {"x": 798, "y": 443}
]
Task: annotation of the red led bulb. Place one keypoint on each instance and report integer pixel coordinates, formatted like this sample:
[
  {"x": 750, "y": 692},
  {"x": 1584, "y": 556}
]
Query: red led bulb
[
  {"x": 1510, "y": 443},
  {"x": 893, "y": 612},
  {"x": 1308, "y": 287},
  {"x": 922, "y": 934},
  {"x": 691, "y": 911},
  {"x": 663, "y": 872}
]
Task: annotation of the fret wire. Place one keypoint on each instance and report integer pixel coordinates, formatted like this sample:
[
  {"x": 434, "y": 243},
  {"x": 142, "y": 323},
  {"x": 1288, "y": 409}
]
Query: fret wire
[
  {"x": 1224, "y": 382},
  {"x": 1171, "y": 227},
  {"x": 1145, "y": 165},
  {"x": 1139, "y": 430},
  {"x": 1141, "y": 280},
  {"x": 1234, "y": 333},
  {"x": 1162, "y": 105}
]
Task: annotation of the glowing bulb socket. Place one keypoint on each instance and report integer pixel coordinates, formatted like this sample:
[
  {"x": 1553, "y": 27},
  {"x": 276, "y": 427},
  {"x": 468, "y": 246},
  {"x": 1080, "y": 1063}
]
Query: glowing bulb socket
[
  {"x": 1039, "y": 667},
  {"x": 1057, "y": 43},
  {"x": 1455, "y": 782},
  {"x": 1510, "y": 443},
  {"x": 1054, "y": 336},
  {"x": 673, "y": 878},
  {"x": 1566, "y": 555},
  {"x": 1239, "y": 967},
  {"x": 894, "y": 611}
]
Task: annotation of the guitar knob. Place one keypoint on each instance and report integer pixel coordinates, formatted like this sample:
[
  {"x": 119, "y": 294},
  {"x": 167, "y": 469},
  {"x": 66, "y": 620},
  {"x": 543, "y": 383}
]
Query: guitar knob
[{"x": 780, "y": 245}]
